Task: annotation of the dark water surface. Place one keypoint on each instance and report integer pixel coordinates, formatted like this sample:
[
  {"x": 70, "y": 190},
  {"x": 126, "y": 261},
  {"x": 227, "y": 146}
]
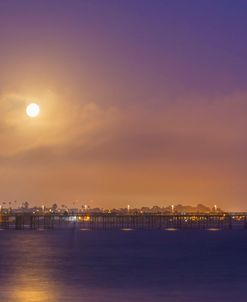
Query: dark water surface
[{"x": 74, "y": 265}]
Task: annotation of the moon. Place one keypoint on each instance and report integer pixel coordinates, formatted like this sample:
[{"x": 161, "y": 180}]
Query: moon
[{"x": 33, "y": 110}]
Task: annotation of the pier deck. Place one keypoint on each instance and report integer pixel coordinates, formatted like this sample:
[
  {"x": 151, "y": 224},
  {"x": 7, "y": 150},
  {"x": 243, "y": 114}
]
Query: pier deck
[{"x": 124, "y": 222}]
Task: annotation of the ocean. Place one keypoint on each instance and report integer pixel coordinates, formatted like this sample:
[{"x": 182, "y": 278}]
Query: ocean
[{"x": 116, "y": 266}]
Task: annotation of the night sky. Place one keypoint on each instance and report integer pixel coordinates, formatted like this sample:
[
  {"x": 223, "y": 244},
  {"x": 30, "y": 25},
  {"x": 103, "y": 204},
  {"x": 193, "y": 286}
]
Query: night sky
[{"x": 142, "y": 102}]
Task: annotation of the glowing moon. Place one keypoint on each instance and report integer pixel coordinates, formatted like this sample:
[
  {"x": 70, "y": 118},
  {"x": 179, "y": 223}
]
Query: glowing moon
[{"x": 32, "y": 110}]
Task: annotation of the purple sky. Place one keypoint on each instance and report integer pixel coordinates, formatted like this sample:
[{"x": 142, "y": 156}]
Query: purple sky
[{"x": 142, "y": 102}]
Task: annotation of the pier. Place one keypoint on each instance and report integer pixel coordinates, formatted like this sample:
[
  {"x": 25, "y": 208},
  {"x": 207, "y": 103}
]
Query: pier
[{"x": 125, "y": 222}]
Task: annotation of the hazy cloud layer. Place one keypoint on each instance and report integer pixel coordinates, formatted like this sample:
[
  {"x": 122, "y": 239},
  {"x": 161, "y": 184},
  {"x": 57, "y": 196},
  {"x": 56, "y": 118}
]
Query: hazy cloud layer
[
  {"x": 184, "y": 149},
  {"x": 140, "y": 104}
]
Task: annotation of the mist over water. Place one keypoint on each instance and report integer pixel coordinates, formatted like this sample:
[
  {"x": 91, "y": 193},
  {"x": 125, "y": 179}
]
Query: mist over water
[{"x": 74, "y": 265}]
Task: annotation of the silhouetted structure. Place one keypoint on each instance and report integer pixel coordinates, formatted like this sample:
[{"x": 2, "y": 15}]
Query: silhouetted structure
[{"x": 21, "y": 221}]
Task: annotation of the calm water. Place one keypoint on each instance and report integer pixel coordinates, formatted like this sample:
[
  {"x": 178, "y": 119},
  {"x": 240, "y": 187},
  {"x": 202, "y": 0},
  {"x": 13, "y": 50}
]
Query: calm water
[{"x": 69, "y": 265}]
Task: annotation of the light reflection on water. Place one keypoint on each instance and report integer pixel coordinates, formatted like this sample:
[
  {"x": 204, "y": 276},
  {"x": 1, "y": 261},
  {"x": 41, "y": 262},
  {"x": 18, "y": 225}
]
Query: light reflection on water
[
  {"x": 213, "y": 229},
  {"x": 71, "y": 265},
  {"x": 31, "y": 291},
  {"x": 171, "y": 229},
  {"x": 27, "y": 275}
]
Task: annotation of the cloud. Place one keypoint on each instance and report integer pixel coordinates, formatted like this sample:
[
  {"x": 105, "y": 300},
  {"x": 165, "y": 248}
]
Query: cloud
[
  {"x": 189, "y": 130},
  {"x": 193, "y": 149}
]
